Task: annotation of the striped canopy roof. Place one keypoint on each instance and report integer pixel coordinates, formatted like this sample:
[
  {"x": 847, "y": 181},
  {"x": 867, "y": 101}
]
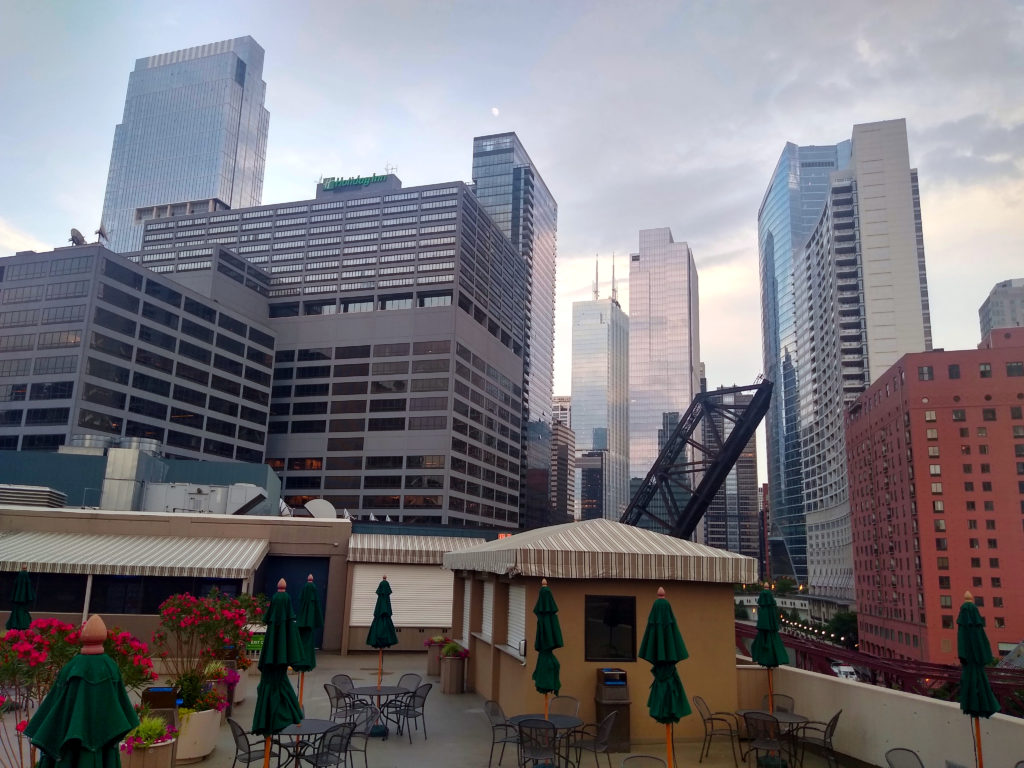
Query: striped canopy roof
[
  {"x": 603, "y": 549},
  {"x": 413, "y": 550},
  {"x": 43, "y": 552}
]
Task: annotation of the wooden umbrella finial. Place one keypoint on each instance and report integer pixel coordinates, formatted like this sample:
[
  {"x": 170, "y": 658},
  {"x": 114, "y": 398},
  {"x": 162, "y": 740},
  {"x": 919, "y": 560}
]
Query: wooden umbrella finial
[
  {"x": 968, "y": 597},
  {"x": 661, "y": 592},
  {"x": 93, "y": 634},
  {"x": 310, "y": 578},
  {"x": 281, "y": 585},
  {"x": 543, "y": 582}
]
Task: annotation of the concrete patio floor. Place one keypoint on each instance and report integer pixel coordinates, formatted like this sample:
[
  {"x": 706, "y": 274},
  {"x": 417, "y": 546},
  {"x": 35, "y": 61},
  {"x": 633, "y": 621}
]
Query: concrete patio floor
[{"x": 458, "y": 732}]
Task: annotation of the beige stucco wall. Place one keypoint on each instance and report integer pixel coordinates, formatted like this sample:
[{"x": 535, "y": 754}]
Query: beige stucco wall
[
  {"x": 287, "y": 536},
  {"x": 705, "y": 616}
]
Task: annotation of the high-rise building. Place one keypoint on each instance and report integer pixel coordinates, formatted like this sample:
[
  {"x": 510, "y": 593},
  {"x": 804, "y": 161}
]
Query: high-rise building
[
  {"x": 1004, "y": 307},
  {"x": 664, "y": 341},
  {"x": 561, "y": 409},
  {"x": 600, "y": 393},
  {"x": 563, "y": 472},
  {"x": 733, "y": 518},
  {"x": 511, "y": 190},
  {"x": 935, "y": 450},
  {"x": 842, "y": 299},
  {"x": 194, "y": 127}
]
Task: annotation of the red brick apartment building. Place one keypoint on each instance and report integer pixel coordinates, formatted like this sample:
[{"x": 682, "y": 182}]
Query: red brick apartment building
[{"x": 935, "y": 455}]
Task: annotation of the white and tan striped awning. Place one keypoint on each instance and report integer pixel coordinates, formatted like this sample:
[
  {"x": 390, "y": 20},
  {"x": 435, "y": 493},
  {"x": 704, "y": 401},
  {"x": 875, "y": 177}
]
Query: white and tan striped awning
[
  {"x": 43, "y": 552},
  {"x": 603, "y": 549},
  {"x": 412, "y": 550}
]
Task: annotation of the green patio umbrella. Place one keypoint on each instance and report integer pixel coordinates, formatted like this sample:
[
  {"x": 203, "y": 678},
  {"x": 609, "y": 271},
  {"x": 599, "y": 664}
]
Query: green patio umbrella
[
  {"x": 767, "y": 649},
  {"x": 310, "y": 618},
  {"x": 382, "y": 629},
  {"x": 972, "y": 646},
  {"x": 22, "y": 596},
  {"x": 547, "y": 638},
  {"x": 276, "y": 704},
  {"x": 87, "y": 711},
  {"x": 663, "y": 647}
]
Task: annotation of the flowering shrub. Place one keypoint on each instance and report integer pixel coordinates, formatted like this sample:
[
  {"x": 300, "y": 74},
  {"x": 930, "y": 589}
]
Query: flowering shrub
[
  {"x": 132, "y": 657},
  {"x": 437, "y": 640},
  {"x": 453, "y": 650}
]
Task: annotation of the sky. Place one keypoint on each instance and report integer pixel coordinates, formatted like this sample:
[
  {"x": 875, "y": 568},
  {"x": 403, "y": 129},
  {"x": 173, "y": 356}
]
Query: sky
[{"x": 637, "y": 114}]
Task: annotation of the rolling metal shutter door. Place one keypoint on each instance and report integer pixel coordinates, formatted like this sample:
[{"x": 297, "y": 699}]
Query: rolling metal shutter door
[
  {"x": 487, "y": 623},
  {"x": 467, "y": 594},
  {"x": 421, "y": 595},
  {"x": 516, "y": 616}
]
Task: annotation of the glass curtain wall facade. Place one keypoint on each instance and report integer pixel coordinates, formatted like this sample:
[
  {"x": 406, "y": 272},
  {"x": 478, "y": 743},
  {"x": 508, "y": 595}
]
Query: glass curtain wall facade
[
  {"x": 789, "y": 211},
  {"x": 511, "y": 190},
  {"x": 600, "y": 392},
  {"x": 194, "y": 127},
  {"x": 664, "y": 341}
]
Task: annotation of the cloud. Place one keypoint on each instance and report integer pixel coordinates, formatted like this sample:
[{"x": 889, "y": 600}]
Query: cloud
[{"x": 13, "y": 240}]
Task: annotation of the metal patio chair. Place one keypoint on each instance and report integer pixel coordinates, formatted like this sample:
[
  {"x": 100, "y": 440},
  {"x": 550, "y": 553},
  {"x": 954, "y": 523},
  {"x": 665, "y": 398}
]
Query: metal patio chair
[{"x": 717, "y": 724}]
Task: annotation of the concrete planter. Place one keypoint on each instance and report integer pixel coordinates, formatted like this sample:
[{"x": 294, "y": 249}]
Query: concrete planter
[
  {"x": 197, "y": 736},
  {"x": 453, "y": 674},
  {"x": 157, "y": 756},
  {"x": 241, "y": 688},
  {"x": 434, "y": 660}
]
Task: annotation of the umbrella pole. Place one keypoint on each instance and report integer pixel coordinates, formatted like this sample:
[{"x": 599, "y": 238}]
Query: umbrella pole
[
  {"x": 977, "y": 741},
  {"x": 380, "y": 665},
  {"x": 546, "y": 705},
  {"x": 302, "y": 682},
  {"x": 266, "y": 752},
  {"x": 771, "y": 694},
  {"x": 668, "y": 744}
]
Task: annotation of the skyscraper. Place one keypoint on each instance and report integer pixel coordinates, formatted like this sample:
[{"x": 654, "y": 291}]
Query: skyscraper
[
  {"x": 561, "y": 409},
  {"x": 563, "y": 471},
  {"x": 511, "y": 190},
  {"x": 664, "y": 341},
  {"x": 194, "y": 127},
  {"x": 600, "y": 395},
  {"x": 1004, "y": 307},
  {"x": 857, "y": 299}
]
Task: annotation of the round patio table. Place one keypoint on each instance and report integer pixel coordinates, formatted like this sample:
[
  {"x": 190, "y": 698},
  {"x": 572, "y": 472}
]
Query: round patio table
[
  {"x": 561, "y": 722},
  {"x": 384, "y": 692},
  {"x": 306, "y": 730}
]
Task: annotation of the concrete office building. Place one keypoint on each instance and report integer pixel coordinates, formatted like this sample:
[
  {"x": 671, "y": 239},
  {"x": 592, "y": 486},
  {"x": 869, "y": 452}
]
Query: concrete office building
[
  {"x": 512, "y": 192},
  {"x": 935, "y": 448},
  {"x": 95, "y": 350},
  {"x": 600, "y": 392},
  {"x": 844, "y": 294},
  {"x": 563, "y": 471},
  {"x": 1004, "y": 307},
  {"x": 561, "y": 409},
  {"x": 664, "y": 341},
  {"x": 399, "y": 317},
  {"x": 194, "y": 127}
]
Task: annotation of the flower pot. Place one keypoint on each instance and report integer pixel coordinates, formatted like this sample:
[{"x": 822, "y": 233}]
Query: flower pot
[
  {"x": 197, "y": 735},
  {"x": 241, "y": 688},
  {"x": 157, "y": 756},
  {"x": 434, "y": 660},
  {"x": 453, "y": 674}
]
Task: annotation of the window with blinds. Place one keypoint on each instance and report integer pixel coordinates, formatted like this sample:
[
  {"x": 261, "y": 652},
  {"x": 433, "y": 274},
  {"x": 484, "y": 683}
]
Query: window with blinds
[
  {"x": 516, "y": 616},
  {"x": 487, "y": 620}
]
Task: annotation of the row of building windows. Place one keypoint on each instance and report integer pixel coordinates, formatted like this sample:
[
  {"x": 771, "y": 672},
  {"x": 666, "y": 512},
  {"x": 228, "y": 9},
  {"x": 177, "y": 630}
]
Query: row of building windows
[{"x": 927, "y": 372}]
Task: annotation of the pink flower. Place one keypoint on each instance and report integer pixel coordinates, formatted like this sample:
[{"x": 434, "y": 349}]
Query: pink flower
[{"x": 20, "y": 727}]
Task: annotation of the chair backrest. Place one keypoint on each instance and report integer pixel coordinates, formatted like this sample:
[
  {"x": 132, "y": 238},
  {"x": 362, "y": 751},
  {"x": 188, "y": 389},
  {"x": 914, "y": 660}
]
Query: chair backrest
[
  {"x": 419, "y": 698},
  {"x": 830, "y": 729},
  {"x": 238, "y": 734},
  {"x": 604, "y": 731},
  {"x": 334, "y": 744},
  {"x": 495, "y": 714},
  {"x": 335, "y": 696},
  {"x": 344, "y": 682},
  {"x": 564, "y": 705},
  {"x": 643, "y": 761},
  {"x": 783, "y": 703},
  {"x": 410, "y": 681},
  {"x": 900, "y": 757},
  {"x": 702, "y": 708},
  {"x": 762, "y": 726},
  {"x": 363, "y": 717},
  {"x": 538, "y": 737}
]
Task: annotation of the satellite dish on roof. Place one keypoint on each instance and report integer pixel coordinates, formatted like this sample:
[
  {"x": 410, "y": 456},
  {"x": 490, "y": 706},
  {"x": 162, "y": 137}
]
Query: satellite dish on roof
[
  {"x": 321, "y": 508},
  {"x": 77, "y": 238}
]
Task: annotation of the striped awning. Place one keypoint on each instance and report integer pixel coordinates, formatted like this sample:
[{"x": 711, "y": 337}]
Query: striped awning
[
  {"x": 412, "y": 550},
  {"x": 603, "y": 549},
  {"x": 109, "y": 554}
]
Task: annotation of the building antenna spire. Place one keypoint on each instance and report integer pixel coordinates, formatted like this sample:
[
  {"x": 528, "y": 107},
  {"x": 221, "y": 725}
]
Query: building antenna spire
[
  {"x": 596, "y": 263},
  {"x": 615, "y": 288}
]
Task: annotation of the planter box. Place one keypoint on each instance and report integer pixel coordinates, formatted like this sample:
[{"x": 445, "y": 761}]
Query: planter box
[
  {"x": 157, "y": 756},
  {"x": 197, "y": 736},
  {"x": 453, "y": 674},
  {"x": 241, "y": 688},
  {"x": 433, "y": 660}
]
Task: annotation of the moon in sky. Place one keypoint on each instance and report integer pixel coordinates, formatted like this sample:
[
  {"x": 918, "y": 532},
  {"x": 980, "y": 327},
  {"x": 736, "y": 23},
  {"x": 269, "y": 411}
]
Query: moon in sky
[{"x": 495, "y": 111}]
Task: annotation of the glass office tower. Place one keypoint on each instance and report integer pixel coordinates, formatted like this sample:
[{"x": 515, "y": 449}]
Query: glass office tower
[
  {"x": 789, "y": 212},
  {"x": 664, "y": 341},
  {"x": 600, "y": 394},
  {"x": 511, "y": 190},
  {"x": 194, "y": 127}
]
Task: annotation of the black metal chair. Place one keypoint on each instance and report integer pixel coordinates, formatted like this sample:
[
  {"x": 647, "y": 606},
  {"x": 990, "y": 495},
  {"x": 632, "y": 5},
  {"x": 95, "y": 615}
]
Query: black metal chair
[
  {"x": 344, "y": 682},
  {"x": 249, "y": 750},
  {"x": 564, "y": 705},
  {"x": 643, "y": 761},
  {"x": 765, "y": 735},
  {"x": 538, "y": 743},
  {"x": 901, "y": 757},
  {"x": 783, "y": 703},
  {"x": 818, "y": 734},
  {"x": 717, "y": 724},
  {"x": 502, "y": 731},
  {"x": 332, "y": 751},
  {"x": 408, "y": 709},
  {"x": 594, "y": 738},
  {"x": 363, "y": 717},
  {"x": 339, "y": 701},
  {"x": 410, "y": 681}
]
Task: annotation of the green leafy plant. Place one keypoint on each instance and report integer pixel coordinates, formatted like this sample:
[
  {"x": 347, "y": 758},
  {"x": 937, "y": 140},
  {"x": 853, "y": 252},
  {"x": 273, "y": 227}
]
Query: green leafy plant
[
  {"x": 453, "y": 650},
  {"x": 150, "y": 731}
]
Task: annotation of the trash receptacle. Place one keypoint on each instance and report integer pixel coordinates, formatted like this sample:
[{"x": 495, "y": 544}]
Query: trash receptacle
[
  {"x": 160, "y": 697},
  {"x": 612, "y": 695}
]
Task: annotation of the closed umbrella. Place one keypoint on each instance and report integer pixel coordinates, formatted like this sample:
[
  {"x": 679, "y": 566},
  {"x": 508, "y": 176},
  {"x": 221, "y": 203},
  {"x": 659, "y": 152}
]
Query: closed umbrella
[
  {"x": 767, "y": 649},
  {"x": 663, "y": 647},
  {"x": 972, "y": 646},
  {"x": 87, "y": 711},
  {"x": 22, "y": 596},
  {"x": 276, "y": 704},
  {"x": 547, "y": 638},
  {"x": 382, "y": 629},
  {"x": 310, "y": 618}
]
